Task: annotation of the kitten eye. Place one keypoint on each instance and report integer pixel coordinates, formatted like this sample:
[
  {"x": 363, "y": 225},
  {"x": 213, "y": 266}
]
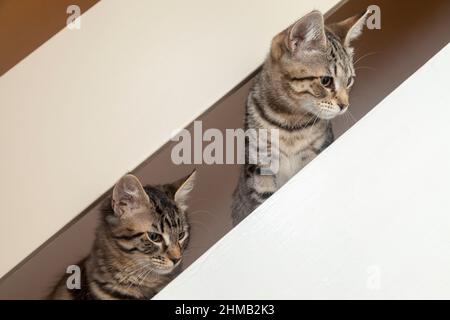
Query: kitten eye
[
  {"x": 326, "y": 81},
  {"x": 181, "y": 235},
  {"x": 350, "y": 82},
  {"x": 155, "y": 237}
]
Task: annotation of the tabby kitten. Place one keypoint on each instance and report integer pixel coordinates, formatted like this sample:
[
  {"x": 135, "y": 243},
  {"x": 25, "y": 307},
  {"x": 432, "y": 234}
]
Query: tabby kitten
[
  {"x": 139, "y": 244},
  {"x": 305, "y": 82}
]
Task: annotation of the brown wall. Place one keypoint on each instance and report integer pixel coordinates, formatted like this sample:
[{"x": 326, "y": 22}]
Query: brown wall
[
  {"x": 26, "y": 24},
  {"x": 412, "y": 32}
]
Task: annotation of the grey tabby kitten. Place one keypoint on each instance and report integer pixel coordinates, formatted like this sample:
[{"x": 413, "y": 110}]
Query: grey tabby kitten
[
  {"x": 305, "y": 82},
  {"x": 139, "y": 244}
]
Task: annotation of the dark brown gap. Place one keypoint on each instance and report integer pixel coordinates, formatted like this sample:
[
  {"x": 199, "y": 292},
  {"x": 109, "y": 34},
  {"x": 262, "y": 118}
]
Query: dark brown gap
[
  {"x": 411, "y": 34},
  {"x": 26, "y": 24}
]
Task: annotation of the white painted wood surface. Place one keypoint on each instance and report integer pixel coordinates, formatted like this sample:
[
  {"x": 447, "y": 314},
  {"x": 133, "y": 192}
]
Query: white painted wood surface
[
  {"x": 368, "y": 218},
  {"x": 91, "y": 104}
]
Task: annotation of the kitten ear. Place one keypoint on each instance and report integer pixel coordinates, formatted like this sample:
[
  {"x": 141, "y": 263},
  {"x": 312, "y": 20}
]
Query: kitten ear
[
  {"x": 182, "y": 189},
  {"x": 128, "y": 196},
  {"x": 350, "y": 28},
  {"x": 307, "y": 34}
]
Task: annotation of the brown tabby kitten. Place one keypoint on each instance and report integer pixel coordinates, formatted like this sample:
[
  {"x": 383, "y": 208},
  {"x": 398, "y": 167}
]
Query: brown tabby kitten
[
  {"x": 305, "y": 82},
  {"x": 139, "y": 244}
]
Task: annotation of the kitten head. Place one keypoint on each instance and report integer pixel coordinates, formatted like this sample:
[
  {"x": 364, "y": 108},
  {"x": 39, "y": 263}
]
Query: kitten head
[
  {"x": 149, "y": 224},
  {"x": 311, "y": 65}
]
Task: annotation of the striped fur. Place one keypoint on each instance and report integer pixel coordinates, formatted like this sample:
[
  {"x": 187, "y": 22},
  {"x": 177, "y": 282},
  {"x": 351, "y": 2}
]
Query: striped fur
[
  {"x": 139, "y": 244},
  {"x": 293, "y": 94}
]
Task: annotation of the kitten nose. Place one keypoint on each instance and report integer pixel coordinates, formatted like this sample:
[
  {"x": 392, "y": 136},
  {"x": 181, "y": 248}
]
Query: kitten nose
[
  {"x": 342, "y": 106},
  {"x": 175, "y": 260}
]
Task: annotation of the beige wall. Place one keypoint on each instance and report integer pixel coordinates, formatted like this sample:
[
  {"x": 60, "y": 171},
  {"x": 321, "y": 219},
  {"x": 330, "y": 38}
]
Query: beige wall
[
  {"x": 27, "y": 24},
  {"x": 91, "y": 104}
]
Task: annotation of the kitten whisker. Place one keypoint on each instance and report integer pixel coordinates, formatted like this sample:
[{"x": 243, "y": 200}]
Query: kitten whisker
[
  {"x": 366, "y": 67},
  {"x": 351, "y": 115},
  {"x": 196, "y": 212},
  {"x": 138, "y": 268},
  {"x": 364, "y": 56},
  {"x": 198, "y": 223},
  {"x": 347, "y": 118},
  {"x": 145, "y": 275},
  {"x": 315, "y": 119}
]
